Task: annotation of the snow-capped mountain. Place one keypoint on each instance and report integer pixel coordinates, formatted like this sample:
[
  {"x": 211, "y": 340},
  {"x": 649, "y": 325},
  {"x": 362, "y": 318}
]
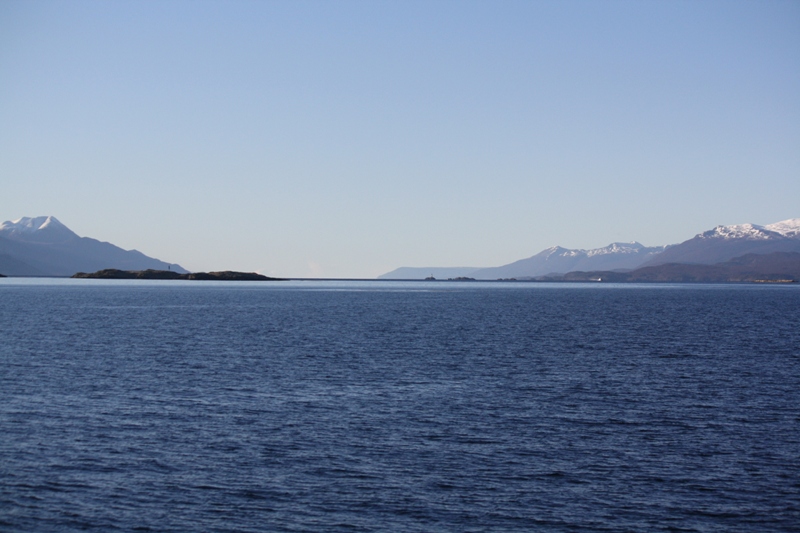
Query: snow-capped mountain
[
  {"x": 726, "y": 242},
  {"x": 717, "y": 245},
  {"x": 787, "y": 228},
  {"x": 740, "y": 231},
  {"x": 615, "y": 256},
  {"x": 43, "y": 246},
  {"x": 37, "y": 229}
]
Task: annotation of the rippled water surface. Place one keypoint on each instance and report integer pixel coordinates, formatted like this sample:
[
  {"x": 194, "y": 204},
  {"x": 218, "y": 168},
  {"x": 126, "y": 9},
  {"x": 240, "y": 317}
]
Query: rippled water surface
[{"x": 333, "y": 406}]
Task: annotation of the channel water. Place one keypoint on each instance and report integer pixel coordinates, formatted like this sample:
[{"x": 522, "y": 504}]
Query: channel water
[{"x": 398, "y": 406}]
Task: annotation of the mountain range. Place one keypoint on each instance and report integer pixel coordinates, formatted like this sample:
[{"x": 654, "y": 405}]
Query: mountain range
[
  {"x": 726, "y": 242},
  {"x": 43, "y": 246},
  {"x": 770, "y": 267},
  {"x": 714, "y": 246}
]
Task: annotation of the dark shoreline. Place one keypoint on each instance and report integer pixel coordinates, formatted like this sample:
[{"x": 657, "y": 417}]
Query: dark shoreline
[
  {"x": 226, "y": 275},
  {"x": 210, "y": 276}
]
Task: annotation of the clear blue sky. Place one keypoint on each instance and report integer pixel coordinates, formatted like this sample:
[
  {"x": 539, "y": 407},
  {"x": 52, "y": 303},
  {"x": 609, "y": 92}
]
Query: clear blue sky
[{"x": 344, "y": 139}]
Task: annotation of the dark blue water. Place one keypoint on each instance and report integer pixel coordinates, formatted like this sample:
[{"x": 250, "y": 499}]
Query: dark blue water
[{"x": 398, "y": 407}]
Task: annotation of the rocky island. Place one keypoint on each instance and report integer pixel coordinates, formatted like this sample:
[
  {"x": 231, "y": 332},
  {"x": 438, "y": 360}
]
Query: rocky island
[{"x": 227, "y": 275}]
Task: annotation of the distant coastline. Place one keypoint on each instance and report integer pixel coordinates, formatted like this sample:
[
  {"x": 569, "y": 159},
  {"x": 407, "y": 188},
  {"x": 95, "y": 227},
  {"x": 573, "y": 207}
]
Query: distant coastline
[
  {"x": 722, "y": 244},
  {"x": 227, "y": 275},
  {"x": 777, "y": 267}
]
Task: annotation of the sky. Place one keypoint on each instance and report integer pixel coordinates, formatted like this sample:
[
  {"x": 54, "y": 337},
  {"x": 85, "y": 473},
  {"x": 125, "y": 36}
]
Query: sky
[{"x": 345, "y": 139}]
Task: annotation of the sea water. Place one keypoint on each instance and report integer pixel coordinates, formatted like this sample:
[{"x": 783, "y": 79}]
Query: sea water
[{"x": 391, "y": 406}]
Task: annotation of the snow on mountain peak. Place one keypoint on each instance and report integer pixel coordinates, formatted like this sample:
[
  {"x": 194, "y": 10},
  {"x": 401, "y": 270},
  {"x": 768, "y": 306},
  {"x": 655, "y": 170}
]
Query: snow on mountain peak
[
  {"x": 617, "y": 248},
  {"x": 739, "y": 231},
  {"x": 778, "y": 230},
  {"x": 614, "y": 249},
  {"x": 45, "y": 228},
  {"x": 553, "y": 250},
  {"x": 28, "y": 224},
  {"x": 787, "y": 228}
]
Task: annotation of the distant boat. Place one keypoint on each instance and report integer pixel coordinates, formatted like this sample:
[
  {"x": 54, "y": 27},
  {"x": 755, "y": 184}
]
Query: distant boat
[{"x": 430, "y": 278}]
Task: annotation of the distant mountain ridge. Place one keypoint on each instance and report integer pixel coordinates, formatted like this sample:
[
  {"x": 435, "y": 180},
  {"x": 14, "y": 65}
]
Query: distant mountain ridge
[
  {"x": 723, "y": 243},
  {"x": 615, "y": 256},
  {"x": 424, "y": 272},
  {"x": 772, "y": 267},
  {"x": 554, "y": 260},
  {"x": 717, "y": 245},
  {"x": 43, "y": 246}
]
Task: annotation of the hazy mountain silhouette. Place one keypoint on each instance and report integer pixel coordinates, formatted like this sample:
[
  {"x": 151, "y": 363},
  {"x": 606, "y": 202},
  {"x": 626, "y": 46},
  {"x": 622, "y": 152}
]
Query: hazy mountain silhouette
[
  {"x": 43, "y": 246},
  {"x": 714, "y": 246},
  {"x": 424, "y": 272},
  {"x": 615, "y": 256},
  {"x": 775, "y": 266}
]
